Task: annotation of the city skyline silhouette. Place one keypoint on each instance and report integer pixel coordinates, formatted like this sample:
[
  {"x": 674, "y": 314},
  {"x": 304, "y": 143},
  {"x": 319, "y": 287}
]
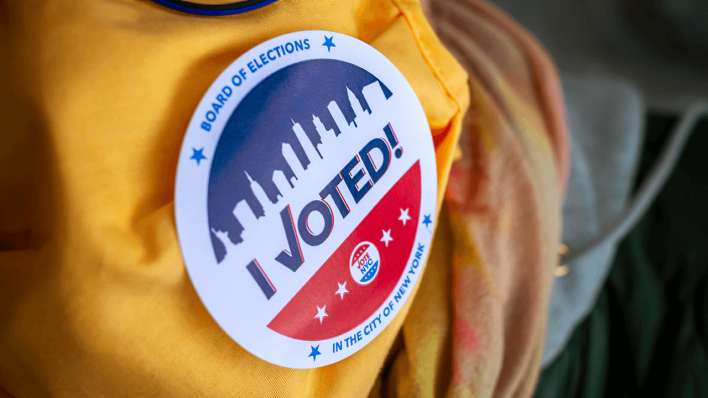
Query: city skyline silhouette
[{"x": 251, "y": 173}]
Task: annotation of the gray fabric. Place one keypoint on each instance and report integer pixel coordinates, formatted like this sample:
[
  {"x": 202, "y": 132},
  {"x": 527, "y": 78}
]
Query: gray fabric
[
  {"x": 605, "y": 119},
  {"x": 599, "y": 37}
]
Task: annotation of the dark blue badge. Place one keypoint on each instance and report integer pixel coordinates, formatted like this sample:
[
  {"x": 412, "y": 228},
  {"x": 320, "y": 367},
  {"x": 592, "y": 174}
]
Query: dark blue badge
[{"x": 235, "y": 7}]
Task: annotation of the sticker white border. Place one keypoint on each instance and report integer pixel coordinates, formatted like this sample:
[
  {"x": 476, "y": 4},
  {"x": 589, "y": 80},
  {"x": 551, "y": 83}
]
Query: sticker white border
[{"x": 191, "y": 188}]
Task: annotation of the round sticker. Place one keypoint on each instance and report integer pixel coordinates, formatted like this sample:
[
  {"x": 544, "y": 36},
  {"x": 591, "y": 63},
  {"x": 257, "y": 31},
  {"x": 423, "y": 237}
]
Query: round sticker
[
  {"x": 305, "y": 197},
  {"x": 364, "y": 263}
]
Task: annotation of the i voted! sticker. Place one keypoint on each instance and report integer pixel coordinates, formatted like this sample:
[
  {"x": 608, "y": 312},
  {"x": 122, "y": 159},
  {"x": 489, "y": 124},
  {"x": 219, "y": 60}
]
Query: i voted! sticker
[{"x": 305, "y": 197}]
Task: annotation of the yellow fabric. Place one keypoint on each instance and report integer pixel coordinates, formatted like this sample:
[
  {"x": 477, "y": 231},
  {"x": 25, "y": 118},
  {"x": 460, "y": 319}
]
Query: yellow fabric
[{"x": 95, "y": 97}]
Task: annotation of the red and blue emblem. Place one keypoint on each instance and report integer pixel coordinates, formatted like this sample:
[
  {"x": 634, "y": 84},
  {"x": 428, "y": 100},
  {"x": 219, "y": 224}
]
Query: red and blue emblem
[
  {"x": 364, "y": 263},
  {"x": 303, "y": 222}
]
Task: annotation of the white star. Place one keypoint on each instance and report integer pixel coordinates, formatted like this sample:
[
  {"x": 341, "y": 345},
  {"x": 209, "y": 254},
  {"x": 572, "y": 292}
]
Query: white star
[
  {"x": 342, "y": 289},
  {"x": 404, "y": 216},
  {"x": 321, "y": 313},
  {"x": 386, "y": 237}
]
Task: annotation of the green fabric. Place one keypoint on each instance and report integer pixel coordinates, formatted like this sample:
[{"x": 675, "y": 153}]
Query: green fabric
[{"x": 646, "y": 335}]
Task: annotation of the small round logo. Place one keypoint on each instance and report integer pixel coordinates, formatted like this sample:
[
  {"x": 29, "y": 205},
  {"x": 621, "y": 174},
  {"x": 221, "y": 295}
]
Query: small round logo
[{"x": 364, "y": 263}]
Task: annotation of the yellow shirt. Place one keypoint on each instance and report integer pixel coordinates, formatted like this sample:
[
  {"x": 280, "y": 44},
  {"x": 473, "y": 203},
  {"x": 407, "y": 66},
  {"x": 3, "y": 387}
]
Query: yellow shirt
[{"x": 95, "y": 98}]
